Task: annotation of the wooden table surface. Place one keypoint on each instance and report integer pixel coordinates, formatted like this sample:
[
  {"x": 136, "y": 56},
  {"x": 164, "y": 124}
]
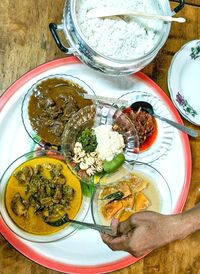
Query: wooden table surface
[{"x": 25, "y": 42}]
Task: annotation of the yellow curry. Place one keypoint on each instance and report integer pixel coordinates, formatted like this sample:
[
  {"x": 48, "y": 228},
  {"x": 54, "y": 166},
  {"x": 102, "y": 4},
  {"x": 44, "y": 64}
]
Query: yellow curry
[{"x": 40, "y": 193}]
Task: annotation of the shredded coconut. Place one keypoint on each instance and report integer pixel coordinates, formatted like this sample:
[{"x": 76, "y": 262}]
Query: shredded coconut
[
  {"x": 109, "y": 142},
  {"x": 122, "y": 38}
]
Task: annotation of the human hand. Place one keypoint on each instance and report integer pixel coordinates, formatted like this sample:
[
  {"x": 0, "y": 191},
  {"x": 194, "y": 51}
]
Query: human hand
[{"x": 143, "y": 232}]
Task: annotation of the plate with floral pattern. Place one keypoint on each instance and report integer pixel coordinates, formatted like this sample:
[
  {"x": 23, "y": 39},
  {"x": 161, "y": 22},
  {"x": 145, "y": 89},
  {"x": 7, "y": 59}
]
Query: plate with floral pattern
[{"x": 184, "y": 81}]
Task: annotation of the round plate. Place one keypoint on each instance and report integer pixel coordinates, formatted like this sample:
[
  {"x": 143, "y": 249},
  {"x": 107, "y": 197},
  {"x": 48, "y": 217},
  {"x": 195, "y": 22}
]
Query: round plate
[
  {"x": 164, "y": 138},
  {"x": 184, "y": 81},
  {"x": 84, "y": 252}
]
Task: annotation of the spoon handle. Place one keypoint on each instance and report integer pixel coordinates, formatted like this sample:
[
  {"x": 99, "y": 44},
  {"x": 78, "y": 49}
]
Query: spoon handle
[
  {"x": 191, "y": 132},
  {"x": 110, "y": 11},
  {"x": 100, "y": 228}
]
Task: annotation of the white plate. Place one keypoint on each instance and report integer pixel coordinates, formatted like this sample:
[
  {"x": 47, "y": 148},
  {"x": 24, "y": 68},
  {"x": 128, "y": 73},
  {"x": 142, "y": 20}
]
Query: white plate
[
  {"x": 184, "y": 81},
  {"x": 84, "y": 252}
]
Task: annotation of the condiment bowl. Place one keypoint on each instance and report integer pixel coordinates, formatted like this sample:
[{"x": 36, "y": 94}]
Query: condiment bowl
[
  {"x": 93, "y": 117},
  {"x": 133, "y": 188},
  {"x": 37, "y": 190},
  {"x": 48, "y": 105},
  {"x": 159, "y": 143}
]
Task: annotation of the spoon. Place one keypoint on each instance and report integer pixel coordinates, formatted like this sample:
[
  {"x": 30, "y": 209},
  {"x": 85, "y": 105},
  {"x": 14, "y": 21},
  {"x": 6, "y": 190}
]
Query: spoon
[
  {"x": 100, "y": 228},
  {"x": 148, "y": 108},
  {"x": 110, "y": 11}
]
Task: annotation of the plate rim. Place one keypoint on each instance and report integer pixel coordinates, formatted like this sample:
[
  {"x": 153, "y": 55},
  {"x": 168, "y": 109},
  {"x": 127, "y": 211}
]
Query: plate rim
[
  {"x": 128, "y": 260},
  {"x": 169, "y": 74}
]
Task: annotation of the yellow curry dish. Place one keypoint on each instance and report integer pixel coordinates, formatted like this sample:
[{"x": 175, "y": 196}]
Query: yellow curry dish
[{"x": 41, "y": 194}]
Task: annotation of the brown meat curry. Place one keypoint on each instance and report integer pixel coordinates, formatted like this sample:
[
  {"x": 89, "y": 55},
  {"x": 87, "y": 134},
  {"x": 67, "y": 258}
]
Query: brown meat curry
[{"x": 51, "y": 105}]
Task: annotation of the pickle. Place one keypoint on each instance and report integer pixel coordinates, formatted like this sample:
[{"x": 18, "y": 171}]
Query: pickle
[{"x": 114, "y": 164}]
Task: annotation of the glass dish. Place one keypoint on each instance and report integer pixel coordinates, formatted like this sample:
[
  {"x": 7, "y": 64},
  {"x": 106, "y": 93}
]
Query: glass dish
[
  {"x": 68, "y": 228},
  {"x": 157, "y": 191},
  {"x": 164, "y": 136},
  {"x": 91, "y": 117},
  {"x": 39, "y": 120}
]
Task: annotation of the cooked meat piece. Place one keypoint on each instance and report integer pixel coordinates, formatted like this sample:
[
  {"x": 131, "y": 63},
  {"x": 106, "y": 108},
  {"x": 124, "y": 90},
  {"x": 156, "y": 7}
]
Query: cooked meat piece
[
  {"x": 123, "y": 122},
  {"x": 54, "y": 112},
  {"x": 57, "y": 128},
  {"x": 144, "y": 124},
  {"x": 18, "y": 207},
  {"x": 45, "y": 102},
  {"x": 24, "y": 175}
]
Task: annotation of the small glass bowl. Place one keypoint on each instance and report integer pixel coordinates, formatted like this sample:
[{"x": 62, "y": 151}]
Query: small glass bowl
[
  {"x": 74, "y": 81},
  {"x": 164, "y": 137},
  {"x": 157, "y": 191},
  {"x": 93, "y": 116},
  {"x": 67, "y": 229}
]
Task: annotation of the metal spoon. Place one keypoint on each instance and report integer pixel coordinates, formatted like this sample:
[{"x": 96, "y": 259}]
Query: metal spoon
[
  {"x": 148, "y": 108},
  {"x": 100, "y": 228}
]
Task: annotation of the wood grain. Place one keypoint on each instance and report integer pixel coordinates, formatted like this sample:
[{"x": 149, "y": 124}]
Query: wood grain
[{"x": 25, "y": 42}]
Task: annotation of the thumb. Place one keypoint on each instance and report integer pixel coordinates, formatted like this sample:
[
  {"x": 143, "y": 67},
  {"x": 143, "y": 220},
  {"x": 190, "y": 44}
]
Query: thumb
[{"x": 126, "y": 226}]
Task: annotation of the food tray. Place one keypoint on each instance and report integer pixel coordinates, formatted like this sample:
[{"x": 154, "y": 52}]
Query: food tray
[{"x": 84, "y": 252}]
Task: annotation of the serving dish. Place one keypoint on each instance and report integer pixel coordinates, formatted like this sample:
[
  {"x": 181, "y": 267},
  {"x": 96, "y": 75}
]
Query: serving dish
[
  {"x": 24, "y": 197},
  {"x": 164, "y": 135},
  {"x": 134, "y": 188},
  {"x": 183, "y": 80},
  {"x": 48, "y": 105},
  {"x": 97, "y": 135},
  {"x": 97, "y": 258}
]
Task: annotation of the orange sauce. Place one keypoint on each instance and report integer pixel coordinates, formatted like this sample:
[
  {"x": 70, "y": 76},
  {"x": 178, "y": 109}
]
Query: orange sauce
[{"x": 34, "y": 223}]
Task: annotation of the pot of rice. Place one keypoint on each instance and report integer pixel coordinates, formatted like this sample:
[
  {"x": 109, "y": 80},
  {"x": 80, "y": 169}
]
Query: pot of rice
[{"x": 117, "y": 45}]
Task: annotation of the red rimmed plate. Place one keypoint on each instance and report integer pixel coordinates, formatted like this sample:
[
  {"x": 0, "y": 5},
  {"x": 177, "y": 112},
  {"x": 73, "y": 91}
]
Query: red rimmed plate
[{"x": 84, "y": 252}]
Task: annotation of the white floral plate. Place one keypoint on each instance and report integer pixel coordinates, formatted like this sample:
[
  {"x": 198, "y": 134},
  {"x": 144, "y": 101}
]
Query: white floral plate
[{"x": 184, "y": 81}]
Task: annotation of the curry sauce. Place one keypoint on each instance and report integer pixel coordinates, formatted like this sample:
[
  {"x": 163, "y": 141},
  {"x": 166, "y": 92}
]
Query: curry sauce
[
  {"x": 51, "y": 105},
  {"x": 31, "y": 205}
]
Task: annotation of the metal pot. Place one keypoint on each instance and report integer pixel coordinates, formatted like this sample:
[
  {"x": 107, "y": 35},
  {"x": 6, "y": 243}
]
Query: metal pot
[{"x": 95, "y": 60}]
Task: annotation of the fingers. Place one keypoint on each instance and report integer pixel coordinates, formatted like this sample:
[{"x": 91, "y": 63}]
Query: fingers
[
  {"x": 126, "y": 226},
  {"x": 115, "y": 243}
]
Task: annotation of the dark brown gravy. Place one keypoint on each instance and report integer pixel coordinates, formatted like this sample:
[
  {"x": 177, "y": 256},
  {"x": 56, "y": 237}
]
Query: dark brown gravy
[{"x": 51, "y": 105}]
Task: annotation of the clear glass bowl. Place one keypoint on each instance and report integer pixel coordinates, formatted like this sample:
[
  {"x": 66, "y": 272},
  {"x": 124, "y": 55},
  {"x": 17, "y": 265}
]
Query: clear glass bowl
[
  {"x": 38, "y": 133},
  {"x": 164, "y": 137},
  {"x": 157, "y": 191},
  {"x": 68, "y": 228},
  {"x": 93, "y": 116}
]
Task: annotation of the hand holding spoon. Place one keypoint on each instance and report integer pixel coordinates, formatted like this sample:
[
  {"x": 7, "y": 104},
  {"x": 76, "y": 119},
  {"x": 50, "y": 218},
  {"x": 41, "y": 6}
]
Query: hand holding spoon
[
  {"x": 101, "y": 228},
  {"x": 148, "y": 108}
]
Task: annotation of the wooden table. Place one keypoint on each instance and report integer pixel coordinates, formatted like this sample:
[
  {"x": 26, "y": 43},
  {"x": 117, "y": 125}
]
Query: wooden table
[{"x": 25, "y": 42}]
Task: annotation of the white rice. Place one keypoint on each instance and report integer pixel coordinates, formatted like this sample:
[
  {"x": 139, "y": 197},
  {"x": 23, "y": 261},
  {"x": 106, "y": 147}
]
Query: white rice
[{"x": 122, "y": 38}]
